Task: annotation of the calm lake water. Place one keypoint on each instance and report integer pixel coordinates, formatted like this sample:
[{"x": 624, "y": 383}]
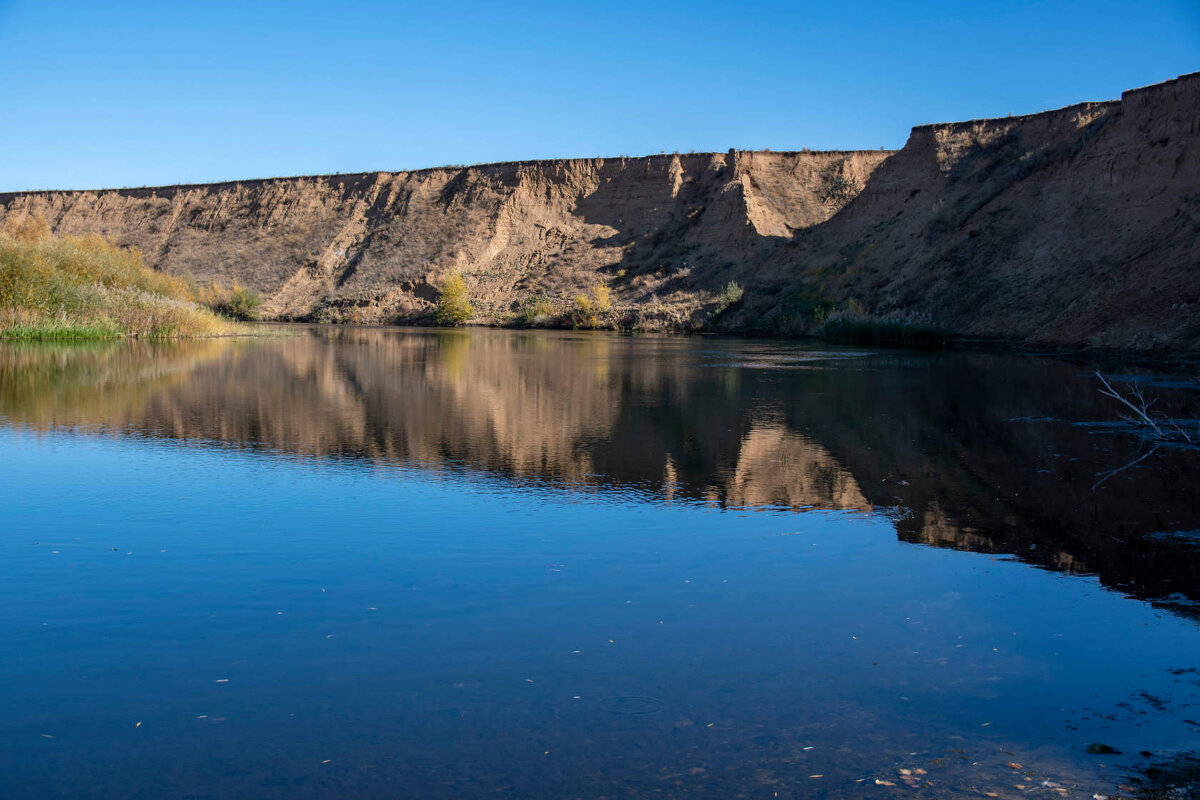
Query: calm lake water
[{"x": 388, "y": 563}]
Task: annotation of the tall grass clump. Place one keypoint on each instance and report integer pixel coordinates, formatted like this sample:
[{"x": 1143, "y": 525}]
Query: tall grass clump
[
  {"x": 891, "y": 330},
  {"x": 535, "y": 311},
  {"x": 235, "y": 302},
  {"x": 583, "y": 312},
  {"x": 68, "y": 287},
  {"x": 453, "y": 306},
  {"x": 602, "y": 298},
  {"x": 587, "y": 309}
]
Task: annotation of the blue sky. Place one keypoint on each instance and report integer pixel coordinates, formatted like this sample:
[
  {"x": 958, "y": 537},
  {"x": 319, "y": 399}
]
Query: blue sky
[{"x": 100, "y": 94}]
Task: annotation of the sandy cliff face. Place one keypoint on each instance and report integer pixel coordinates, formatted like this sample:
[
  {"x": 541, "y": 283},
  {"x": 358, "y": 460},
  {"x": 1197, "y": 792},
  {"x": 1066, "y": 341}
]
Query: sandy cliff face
[
  {"x": 1071, "y": 227},
  {"x": 372, "y": 247}
]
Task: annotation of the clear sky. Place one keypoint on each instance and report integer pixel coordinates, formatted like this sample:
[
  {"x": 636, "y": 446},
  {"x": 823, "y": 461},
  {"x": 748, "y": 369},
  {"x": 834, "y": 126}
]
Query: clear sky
[{"x": 101, "y": 94}]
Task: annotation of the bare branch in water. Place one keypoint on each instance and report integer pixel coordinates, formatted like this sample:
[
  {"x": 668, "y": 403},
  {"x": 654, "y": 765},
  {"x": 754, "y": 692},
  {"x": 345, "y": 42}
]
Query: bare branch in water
[{"x": 1159, "y": 426}]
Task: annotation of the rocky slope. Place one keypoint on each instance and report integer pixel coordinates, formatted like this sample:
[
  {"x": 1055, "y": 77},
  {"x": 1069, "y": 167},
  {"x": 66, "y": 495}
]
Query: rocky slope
[{"x": 1071, "y": 227}]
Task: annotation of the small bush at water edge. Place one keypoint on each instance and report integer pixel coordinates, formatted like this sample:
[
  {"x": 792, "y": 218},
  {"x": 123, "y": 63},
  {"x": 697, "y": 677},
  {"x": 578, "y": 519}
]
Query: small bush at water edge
[
  {"x": 535, "y": 311},
  {"x": 583, "y": 313},
  {"x": 454, "y": 307},
  {"x": 237, "y": 302}
]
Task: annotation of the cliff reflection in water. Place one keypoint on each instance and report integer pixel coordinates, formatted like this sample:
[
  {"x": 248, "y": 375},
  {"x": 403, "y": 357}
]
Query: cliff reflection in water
[{"x": 968, "y": 451}]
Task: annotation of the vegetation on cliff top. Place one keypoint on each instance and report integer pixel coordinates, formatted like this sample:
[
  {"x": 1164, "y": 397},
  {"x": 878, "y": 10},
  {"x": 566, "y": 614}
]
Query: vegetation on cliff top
[{"x": 66, "y": 287}]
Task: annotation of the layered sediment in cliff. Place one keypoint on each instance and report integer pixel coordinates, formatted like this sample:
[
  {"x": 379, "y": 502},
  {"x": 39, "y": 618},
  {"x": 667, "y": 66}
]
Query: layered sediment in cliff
[
  {"x": 1071, "y": 227},
  {"x": 373, "y": 247}
]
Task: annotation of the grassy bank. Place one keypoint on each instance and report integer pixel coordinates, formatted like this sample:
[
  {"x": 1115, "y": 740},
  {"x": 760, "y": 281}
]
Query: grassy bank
[{"x": 64, "y": 287}]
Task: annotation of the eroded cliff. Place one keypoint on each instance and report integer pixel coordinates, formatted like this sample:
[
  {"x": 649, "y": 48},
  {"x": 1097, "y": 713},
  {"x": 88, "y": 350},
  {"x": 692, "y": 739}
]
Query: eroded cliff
[
  {"x": 1070, "y": 227},
  {"x": 372, "y": 247}
]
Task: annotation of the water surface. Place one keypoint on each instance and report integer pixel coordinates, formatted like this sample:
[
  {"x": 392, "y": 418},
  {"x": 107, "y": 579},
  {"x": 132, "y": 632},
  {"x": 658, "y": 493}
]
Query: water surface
[{"x": 396, "y": 563}]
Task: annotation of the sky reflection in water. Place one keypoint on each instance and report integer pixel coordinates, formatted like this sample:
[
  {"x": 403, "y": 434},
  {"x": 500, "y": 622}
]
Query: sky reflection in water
[{"x": 379, "y": 563}]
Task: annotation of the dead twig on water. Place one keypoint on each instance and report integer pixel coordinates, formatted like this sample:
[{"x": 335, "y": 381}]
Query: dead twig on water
[{"x": 1159, "y": 426}]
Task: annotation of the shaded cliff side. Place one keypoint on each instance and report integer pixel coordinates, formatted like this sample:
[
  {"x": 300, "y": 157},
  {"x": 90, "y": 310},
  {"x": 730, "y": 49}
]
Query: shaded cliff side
[
  {"x": 1071, "y": 227},
  {"x": 1079, "y": 226}
]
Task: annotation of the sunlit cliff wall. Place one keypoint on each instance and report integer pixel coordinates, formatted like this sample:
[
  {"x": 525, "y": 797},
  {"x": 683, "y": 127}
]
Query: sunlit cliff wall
[
  {"x": 372, "y": 247},
  {"x": 1074, "y": 227}
]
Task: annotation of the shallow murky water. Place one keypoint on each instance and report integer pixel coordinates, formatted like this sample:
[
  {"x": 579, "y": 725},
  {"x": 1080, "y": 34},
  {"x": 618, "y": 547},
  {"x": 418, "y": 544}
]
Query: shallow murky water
[{"x": 395, "y": 563}]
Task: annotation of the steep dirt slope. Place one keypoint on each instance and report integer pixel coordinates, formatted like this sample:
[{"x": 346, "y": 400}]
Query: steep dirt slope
[{"x": 1075, "y": 226}]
